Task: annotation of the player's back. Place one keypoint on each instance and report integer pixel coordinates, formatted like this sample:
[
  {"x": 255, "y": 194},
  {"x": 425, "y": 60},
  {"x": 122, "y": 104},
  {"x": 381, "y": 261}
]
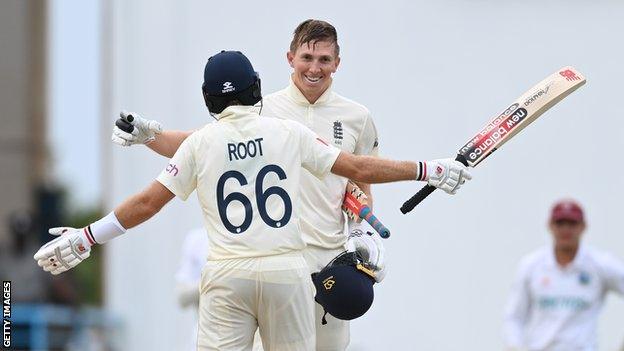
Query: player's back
[{"x": 248, "y": 175}]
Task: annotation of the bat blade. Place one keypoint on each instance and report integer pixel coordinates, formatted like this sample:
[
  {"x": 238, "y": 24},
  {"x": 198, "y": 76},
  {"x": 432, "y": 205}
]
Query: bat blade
[{"x": 522, "y": 112}]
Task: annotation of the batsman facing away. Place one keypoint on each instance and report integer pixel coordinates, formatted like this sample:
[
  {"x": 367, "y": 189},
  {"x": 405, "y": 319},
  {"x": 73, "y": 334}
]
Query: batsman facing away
[{"x": 255, "y": 241}]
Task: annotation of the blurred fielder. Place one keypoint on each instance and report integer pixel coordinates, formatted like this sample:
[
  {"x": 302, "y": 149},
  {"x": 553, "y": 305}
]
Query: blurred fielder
[
  {"x": 188, "y": 277},
  {"x": 247, "y": 174},
  {"x": 560, "y": 289},
  {"x": 347, "y": 125}
]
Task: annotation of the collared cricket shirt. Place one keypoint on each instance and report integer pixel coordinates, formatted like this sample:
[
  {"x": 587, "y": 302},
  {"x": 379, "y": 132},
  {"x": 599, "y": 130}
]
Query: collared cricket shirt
[
  {"x": 342, "y": 123},
  {"x": 557, "y": 308},
  {"x": 247, "y": 172}
]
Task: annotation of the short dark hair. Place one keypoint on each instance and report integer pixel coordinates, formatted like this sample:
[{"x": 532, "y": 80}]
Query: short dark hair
[{"x": 312, "y": 31}]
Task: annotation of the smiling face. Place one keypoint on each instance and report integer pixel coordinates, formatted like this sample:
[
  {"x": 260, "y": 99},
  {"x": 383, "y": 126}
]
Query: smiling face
[{"x": 313, "y": 64}]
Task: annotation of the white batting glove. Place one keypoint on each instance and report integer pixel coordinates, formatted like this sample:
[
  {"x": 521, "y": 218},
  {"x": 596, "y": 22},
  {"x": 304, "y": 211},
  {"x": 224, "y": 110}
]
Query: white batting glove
[
  {"x": 371, "y": 249},
  {"x": 65, "y": 252},
  {"x": 446, "y": 174},
  {"x": 136, "y": 129}
]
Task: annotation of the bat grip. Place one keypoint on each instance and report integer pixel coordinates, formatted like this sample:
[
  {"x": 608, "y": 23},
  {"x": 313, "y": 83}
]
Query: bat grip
[
  {"x": 367, "y": 215},
  {"x": 417, "y": 198},
  {"x": 124, "y": 125},
  {"x": 425, "y": 191}
]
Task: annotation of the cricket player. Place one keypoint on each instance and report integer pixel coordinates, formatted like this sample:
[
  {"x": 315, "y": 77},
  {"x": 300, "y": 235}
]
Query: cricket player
[
  {"x": 560, "y": 289},
  {"x": 247, "y": 174},
  {"x": 188, "y": 278},
  {"x": 314, "y": 56}
]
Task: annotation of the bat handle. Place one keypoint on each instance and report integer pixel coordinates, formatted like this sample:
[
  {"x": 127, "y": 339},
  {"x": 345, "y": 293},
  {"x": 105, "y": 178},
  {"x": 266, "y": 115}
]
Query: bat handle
[
  {"x": 417, "y": 198},
  {"x": 124, "y": 125},
  {"x": 425, "y": 191},
  {"x": 367, "y": 214}
]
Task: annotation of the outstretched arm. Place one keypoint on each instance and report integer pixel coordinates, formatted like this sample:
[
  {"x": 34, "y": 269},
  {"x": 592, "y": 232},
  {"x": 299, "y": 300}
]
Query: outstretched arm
[
  {"x": 143, "y": 206},
  {"x": 167, "y": 143},
  {"x": 131, "y": 129},
  {"x": 445, "y": 174},
  {"x": 74, "y": 245}
]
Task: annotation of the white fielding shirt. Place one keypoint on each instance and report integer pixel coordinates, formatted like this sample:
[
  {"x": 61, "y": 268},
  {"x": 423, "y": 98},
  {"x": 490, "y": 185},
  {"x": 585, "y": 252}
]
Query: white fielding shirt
[
  {"x": 342, "y": 123},
  {"x": 556, "y": 308},
  {"x": 247, "y": 171}
]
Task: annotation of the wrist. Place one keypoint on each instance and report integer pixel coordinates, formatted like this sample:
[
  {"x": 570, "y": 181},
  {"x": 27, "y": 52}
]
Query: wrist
[
  {"x": 421, "y": 171},
  {"x": 104, "y": 229}
]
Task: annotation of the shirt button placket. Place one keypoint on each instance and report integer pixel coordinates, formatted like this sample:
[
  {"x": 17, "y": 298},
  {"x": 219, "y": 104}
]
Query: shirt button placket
[{"x": 310, "y": 116}]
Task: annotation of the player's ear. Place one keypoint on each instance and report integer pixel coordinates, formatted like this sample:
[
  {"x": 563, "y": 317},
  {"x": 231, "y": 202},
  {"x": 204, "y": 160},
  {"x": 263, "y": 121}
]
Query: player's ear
[
  {"x": 290, "y": 56},
  {"x": 336, "y": 65}
]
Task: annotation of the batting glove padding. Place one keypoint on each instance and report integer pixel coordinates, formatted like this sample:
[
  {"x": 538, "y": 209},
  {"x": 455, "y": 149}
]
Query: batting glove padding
[
  {"x": 446, "y": 174},
  {"x": 370, "y": 249},
  {"x": 136, "y": 129},
  {"x": 65, "y": 252}
]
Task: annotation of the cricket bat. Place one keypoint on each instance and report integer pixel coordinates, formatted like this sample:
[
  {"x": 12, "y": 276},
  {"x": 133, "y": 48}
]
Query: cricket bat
[
  {"x": 510, "y": 122},
  {"x": 355, "y": 205}
]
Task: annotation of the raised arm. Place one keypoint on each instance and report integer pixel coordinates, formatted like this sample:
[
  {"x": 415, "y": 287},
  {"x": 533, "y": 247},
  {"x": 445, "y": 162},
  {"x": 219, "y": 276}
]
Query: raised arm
[{"x": 131, "y": 129}]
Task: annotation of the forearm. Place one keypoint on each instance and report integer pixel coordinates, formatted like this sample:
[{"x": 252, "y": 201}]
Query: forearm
[
  {"x": 167, "y": 143},
  {"x": 369, "y": 169},
  {"x": 142, "y": 206}
]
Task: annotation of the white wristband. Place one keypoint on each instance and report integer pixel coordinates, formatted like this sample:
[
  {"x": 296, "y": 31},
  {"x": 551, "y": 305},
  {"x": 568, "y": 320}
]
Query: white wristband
[{"x": 105, "y": 229}]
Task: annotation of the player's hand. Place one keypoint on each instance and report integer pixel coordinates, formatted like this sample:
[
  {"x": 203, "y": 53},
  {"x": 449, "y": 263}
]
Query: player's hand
[
  {"x": 132, "y": 129},
  {"x": 64, "y": 252},
  {"x": 447, "y": 174},
  {"x": 371, "y": 249}
]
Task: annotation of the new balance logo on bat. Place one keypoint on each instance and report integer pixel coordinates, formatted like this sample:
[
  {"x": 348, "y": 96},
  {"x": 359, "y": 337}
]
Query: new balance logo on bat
[{"x": 569, "y": 75}]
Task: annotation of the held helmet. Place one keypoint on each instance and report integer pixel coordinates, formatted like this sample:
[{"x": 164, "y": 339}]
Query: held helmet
[
  {"x": 230, "y": 78},
  {"x": 344, "y": 287}
]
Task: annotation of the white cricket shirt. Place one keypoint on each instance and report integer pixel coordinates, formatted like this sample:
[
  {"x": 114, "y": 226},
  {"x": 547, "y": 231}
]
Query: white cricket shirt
[
  {"x": 556, "y": 309},
  {"x": 342, "y": 123},
  {"x": 247, "y": 171}
]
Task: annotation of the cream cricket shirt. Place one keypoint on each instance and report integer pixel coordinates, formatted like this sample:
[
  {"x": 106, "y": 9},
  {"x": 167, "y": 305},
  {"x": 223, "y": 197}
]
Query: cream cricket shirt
[
  {"x": 247, "y": 171},
  {"x": 554, "y": 308},
  {"x": 342, "y": 123}
]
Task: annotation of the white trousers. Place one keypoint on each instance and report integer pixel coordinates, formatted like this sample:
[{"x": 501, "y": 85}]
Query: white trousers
[
  {"x": 335, "y": 335},
  {"x": 273, "y": 294}
]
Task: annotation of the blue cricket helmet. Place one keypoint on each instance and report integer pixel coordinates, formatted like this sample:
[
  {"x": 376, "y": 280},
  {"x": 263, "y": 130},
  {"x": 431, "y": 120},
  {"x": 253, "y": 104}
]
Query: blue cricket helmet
[
  {"x": 229, "y": 77},
  {"x": 344, "y": 287}
]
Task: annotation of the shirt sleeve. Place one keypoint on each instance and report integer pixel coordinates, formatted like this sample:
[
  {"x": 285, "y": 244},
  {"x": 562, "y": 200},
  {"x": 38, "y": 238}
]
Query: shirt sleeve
[
  {"x": 517, "y": 309},
  {"x": 317, "y": 156},
  {"x": 613, "y": 273},
  {"x": 367, "y": 143},
  {"x": 180, "y": 175}
]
